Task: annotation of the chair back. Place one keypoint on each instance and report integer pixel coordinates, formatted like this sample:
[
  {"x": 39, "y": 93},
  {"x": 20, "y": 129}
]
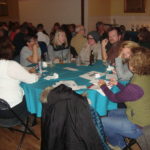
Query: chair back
[
  {"x": 4, "y": 105},
  {"x": 44, "y": 50}
]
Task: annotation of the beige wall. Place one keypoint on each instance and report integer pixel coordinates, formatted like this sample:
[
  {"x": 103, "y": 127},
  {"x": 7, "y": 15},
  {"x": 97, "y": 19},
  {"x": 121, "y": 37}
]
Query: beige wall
[
  {"x": 99, "y": 10},
  {"x": 13, "y": 13},
  {"x": 112, "y": 11},
  {"x": 50, "y": 11},
  {"x": 117, "y": 13}
]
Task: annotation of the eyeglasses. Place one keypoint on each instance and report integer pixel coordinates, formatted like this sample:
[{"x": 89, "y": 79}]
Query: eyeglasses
[{"x": 90, "y": 38}]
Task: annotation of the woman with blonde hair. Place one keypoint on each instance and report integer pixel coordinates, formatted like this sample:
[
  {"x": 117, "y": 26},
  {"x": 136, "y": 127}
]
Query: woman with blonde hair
[
  {"x": 129, "y": 122},
  {"x": 126, "y": 49},
  {"x": 59, "y": 48}
]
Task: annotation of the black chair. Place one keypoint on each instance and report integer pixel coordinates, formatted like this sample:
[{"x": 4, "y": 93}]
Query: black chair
[
  {"x": 10, "y": 123},
  {"x": 44, "y": 50}
]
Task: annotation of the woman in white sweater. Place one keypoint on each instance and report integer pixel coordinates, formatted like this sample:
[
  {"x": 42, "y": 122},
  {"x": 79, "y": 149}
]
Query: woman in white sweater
[{"x": 11, "y": 74}]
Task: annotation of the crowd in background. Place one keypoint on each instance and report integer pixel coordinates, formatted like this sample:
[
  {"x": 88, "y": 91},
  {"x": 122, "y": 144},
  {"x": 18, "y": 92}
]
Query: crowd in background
[{"x": 74, "y": 39}]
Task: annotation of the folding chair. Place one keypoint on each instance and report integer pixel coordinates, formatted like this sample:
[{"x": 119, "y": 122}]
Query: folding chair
[
  {"x": 10, "y": 123},
  {"x": 130, "y": 143}
]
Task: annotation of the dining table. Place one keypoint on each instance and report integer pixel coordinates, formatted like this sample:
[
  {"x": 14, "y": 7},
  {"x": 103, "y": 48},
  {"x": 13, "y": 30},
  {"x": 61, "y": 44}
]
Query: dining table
[{"x": 70, "y": 72}]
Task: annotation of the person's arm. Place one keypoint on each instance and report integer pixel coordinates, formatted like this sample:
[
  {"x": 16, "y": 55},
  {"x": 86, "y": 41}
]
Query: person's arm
[
  {"x": 103, "y": 49},
  {"x": 50, "y": 52},
  {"x": 127, "y": 94},
  {"x": 122, "y": 70},
  {"x": 16, "y": 71},
  {"x": 113, "y": 82},
  {"x": 34, "y": 58}
]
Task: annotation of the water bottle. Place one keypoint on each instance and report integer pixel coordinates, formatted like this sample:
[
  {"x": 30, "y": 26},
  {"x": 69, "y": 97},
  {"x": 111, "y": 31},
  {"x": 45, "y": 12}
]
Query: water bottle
[
  {"x": 40, "y": 67},
  {"x": 78, "y": 62}
]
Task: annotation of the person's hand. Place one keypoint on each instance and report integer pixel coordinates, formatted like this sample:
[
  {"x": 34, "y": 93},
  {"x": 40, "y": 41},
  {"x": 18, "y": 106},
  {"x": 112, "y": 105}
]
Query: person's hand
[
  {"x": 113, "y": 82},
  {"x": 37, "y": 44},
  {"x": 101, "y": 82},
  {"x": 104, "y": 42},
  {"x": 32, "y": 70},
  {"x": 122, "y": 55},
  {"x": 114, "y": 71},
  {"x": 86, "y": 46},
  {"x": 35, "y": 47}
]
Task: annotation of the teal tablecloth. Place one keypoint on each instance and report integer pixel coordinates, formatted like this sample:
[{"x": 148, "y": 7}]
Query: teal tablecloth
[{"x": 33, "y": 91}]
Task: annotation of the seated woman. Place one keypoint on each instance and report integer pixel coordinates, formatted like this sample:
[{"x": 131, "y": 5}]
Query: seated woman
[
  {"x": 92, "y": 45},
  {"x": 124, "y": 53},
  {"x": 59, "y": 50},
  {"x": 128, "y": 122},
  {"x": 11, "y": 74},
  {"x": 31, "y": 53}
]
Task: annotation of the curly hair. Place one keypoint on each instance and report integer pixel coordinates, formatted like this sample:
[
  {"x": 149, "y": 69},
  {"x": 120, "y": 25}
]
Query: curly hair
[{"x": 140, "y": 61}]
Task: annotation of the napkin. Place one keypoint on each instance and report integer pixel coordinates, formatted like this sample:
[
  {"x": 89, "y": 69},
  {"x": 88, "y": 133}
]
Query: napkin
[
  {"x": 54, "y": 76},
  {"x": 110, "y": 68}
]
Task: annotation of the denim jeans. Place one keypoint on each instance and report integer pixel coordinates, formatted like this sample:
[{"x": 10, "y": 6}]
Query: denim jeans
[{"x": 117, "y": 126}]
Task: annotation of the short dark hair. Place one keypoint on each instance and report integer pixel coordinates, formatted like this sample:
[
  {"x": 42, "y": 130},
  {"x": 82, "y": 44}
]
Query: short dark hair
[
  {"x": 6, "y": 50},
  {"x": 40, "y": 26},
  {"x": 98, "y": 24},
  {"x": 116, "y": 29},
  {"x": 28, "y": 38}
]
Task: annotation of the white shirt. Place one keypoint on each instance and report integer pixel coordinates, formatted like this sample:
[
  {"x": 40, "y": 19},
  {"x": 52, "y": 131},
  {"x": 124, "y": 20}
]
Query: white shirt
[
  {"x": 41, "y": 37},
  {"x": 11, "y": 74}
]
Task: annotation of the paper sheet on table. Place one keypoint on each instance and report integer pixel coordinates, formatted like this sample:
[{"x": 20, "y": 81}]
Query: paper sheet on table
[
  {"x": 91, "y": 75},
  {"x": 71, "y": 69},
  {"x": 110, "y": 76},
  {"x": 70, "y": 83},
  {"x": 96, "y": 87}
]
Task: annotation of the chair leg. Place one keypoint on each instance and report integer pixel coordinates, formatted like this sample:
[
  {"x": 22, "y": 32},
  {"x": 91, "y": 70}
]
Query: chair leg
[
  {"x": 22, "y": 138},
  {"x": 129, "y": 144},
  {"x": 26, "y": 125},
  {"x": 30, "y": 131}
]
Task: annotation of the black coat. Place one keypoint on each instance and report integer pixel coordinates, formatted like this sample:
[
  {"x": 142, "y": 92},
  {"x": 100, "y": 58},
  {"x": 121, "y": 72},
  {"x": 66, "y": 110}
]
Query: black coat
[{"x": 67, "y": 124}]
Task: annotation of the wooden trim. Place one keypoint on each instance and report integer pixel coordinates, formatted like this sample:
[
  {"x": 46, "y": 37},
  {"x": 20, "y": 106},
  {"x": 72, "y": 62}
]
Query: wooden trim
[{"x": 82, "y": 12}]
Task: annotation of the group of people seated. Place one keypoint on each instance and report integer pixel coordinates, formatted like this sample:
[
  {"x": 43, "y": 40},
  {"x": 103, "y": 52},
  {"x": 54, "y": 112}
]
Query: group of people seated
[{"x": 24, "y": 45}]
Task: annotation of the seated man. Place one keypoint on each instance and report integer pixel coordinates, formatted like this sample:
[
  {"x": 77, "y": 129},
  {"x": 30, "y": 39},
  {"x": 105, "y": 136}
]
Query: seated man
[
  {"x": 31, "y": 53},
  {"x": 78, "y": 41},
  {"x": 114, "y": 36}
]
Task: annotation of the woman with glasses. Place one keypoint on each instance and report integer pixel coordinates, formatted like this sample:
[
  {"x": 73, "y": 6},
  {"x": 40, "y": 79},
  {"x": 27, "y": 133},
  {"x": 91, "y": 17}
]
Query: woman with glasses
[{"x": 93, "y": 45}]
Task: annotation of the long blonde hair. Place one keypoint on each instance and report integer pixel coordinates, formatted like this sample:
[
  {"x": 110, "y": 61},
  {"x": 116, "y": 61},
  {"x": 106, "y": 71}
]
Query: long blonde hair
[
  {"x": 129, "y": 44},
  {"x": 55, "y": 41}
]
